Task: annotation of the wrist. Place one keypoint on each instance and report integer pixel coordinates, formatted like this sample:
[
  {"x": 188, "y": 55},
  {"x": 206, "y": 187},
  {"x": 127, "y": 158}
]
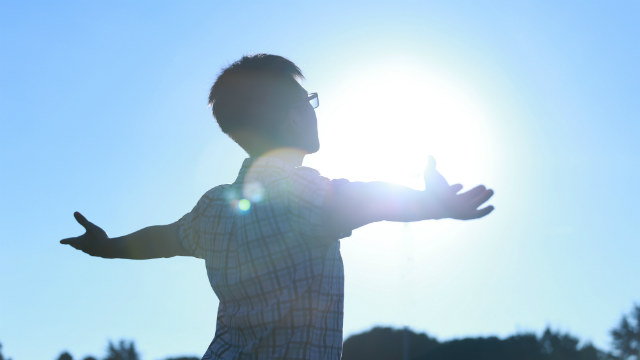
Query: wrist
[{"x": 114, "y": 248}]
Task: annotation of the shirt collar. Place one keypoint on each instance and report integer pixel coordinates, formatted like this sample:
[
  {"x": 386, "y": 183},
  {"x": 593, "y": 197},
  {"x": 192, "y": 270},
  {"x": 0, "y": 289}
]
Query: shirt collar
[{"x": 266, "y": 162}]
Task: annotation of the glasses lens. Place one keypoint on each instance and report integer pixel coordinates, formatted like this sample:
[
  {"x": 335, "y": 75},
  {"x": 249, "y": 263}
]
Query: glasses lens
[{"x": 313, "y": 100}]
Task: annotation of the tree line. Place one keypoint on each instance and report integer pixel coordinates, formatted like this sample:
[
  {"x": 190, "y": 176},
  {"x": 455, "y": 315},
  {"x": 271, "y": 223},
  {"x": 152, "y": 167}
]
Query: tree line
[
  {"x": 122, "y": 350},
  {"x": 403, "y": 344},
  {"x": 383, "y": 343}
]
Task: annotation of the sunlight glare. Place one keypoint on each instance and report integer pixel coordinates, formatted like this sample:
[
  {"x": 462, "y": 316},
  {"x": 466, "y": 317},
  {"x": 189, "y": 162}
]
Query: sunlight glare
[{"x": 385, "y": 120}]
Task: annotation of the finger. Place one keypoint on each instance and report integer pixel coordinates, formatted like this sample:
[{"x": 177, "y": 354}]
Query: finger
[
  {"x": 482, "y": 198},
  {"x": 66, "y": 241},
  {"x": 74, "y": 241},
  {"x": 484, "y": 211},
  {"x": 473, "y": 193},
  {"x": 431, "y": 166},
  {"x": 430, "y": 169},
  {"x": 81, "y": 219},
  {"x": 431, "y": 163},
  {"x": 455, "y": 188}
]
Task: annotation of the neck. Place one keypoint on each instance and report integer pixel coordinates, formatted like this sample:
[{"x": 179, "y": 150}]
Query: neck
[{"x": 289, "y": 155}]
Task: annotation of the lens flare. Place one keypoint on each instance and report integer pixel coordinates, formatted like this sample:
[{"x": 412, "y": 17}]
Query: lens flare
[
  {"x": 244, "y": 205},
  {"x": 253, "y": 191}
]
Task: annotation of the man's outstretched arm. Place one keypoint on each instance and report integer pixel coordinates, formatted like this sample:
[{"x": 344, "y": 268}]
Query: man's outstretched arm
[
  {"x": 159, "y": 241},
  {"x": 360, "y": 203}
]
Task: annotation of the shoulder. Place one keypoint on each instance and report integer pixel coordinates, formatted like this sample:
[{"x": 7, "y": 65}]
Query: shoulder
[
  {"x": 214, "y": 194},
  {"x": 303, "y": 172},
  {"x": 315, "y": 201},
  {"x": 309, "y": 182},
  {"x": 217, "y": 191},
  {"x": 309, "y": 175},
  {"x": 307, "y": 178}
]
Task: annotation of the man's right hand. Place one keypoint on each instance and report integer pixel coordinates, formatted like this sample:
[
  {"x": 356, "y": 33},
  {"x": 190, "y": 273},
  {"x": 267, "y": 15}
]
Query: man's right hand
[{"x": 94, "y": 241}]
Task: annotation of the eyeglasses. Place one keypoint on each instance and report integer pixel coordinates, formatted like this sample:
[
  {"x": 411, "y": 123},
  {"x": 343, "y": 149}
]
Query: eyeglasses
[{"x": 313, "y": 100}]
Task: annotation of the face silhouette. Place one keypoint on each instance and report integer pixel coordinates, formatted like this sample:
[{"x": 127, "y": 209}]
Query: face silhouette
[{"x": 304, "y": 124}]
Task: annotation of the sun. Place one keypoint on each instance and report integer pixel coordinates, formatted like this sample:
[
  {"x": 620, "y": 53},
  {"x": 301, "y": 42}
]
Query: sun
[
  {"x": 380, "y": 122},
  {"x": 384, "y": 120}
]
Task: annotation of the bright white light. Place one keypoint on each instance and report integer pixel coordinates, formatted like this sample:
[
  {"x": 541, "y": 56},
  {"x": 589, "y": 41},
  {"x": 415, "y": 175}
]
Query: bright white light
[{"x": 384, "y": 120}]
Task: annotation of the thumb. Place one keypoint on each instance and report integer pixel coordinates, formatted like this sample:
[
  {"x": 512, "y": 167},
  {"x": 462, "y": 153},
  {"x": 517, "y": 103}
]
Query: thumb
[
  {"x": 431, "y": 164},
  {"x": 81, "y": 219},
  {"x": 430, "y": 170}
]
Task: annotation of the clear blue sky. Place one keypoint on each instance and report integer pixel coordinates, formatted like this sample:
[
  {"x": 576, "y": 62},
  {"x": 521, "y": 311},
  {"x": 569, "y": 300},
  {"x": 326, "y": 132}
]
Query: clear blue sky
[{"x": 103, "y": 110}]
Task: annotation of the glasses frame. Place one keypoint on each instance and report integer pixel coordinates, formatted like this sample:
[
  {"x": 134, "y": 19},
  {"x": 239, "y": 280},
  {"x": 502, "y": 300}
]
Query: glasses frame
[{"x": 313, "y": 100}]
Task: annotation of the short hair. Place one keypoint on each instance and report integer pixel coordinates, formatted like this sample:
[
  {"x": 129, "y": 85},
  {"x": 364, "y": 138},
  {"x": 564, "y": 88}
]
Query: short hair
[{"x": 251, "y": 94}]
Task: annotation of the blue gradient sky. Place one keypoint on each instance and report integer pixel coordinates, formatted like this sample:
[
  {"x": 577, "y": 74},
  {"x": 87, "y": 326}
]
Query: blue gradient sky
[{"x": 103, "y": 110}]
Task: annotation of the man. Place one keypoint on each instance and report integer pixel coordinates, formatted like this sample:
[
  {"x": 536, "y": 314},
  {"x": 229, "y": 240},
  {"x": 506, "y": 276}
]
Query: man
[{"x": 270, "y": 239}]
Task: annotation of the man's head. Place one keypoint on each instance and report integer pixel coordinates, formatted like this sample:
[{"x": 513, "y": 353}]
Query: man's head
[{"x": 259, "y": 103}]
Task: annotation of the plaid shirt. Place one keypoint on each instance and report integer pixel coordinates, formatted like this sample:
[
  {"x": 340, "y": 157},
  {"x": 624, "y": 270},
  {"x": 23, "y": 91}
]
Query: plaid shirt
[{"x": 273, "y": 262}]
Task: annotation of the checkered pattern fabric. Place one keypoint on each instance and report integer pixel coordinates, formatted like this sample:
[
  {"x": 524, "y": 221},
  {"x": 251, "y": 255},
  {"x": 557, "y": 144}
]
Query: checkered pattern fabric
[{"x": 273, "y": 262}]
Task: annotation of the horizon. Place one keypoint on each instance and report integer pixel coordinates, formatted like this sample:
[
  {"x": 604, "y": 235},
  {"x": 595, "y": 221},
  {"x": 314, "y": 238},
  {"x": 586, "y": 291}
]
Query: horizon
[{"x": 125, "y": 344}]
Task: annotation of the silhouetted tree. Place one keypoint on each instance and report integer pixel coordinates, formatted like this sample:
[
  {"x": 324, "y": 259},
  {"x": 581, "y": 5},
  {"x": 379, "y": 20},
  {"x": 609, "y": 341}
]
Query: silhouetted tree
[
  {"x": 65, "y": 356},
  {"x": 123, "y": 351},
  {"x": 591, "y": 352},
  {"x": 559, "y": 346},
  {"x": 521, "y": 347},
  {"x": 626, "y": 337},
  {"x": 89, "y": 358},
  {"x": 550, "y": 346},
  {"x": 385, "y": 343},
  {"x": 1, "y": 356}
]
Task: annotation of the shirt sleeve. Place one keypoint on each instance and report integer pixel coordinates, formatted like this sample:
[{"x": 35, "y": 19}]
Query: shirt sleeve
[
  {"x": 191, "y": 228},
  {"x": 311, "y": 204}
]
